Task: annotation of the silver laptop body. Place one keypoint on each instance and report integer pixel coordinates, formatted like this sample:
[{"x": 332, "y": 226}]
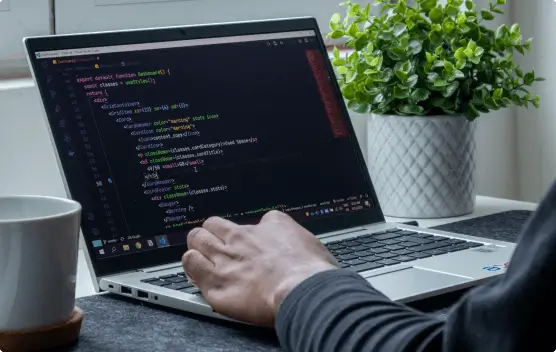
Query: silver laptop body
[{"x": 80, "y": 78}]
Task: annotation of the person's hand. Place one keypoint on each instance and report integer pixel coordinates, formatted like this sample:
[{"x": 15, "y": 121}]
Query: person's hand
[{"x": 245, "y": 272}]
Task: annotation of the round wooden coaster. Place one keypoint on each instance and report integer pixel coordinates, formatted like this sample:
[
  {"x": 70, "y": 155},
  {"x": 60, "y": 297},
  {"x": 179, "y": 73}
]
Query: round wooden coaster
[{"x": 45, "y": 338}]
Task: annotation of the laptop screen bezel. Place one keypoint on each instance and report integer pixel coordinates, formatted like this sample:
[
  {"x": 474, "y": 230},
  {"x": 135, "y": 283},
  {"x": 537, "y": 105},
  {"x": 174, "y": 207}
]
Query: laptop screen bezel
[{"x": 163, "y": 256}]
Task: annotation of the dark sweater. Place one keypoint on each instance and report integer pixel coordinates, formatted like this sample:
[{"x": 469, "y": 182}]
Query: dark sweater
[{"x": 339, "y": 311}]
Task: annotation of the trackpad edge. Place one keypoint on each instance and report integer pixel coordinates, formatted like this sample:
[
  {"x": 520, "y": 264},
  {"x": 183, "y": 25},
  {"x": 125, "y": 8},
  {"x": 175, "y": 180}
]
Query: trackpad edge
[{"x": 411, "y": 282}]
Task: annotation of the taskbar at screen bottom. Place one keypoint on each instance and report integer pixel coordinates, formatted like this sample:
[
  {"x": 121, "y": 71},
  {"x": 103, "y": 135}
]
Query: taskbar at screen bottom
[{"x": 107, "y": 249}]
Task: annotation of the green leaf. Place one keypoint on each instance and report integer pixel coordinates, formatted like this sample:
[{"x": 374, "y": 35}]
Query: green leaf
[
  {"x": 469, "y": 53},
  {"x": 457, "y": 74},
  {"x": 336, "y": 18},
  {"x": 379, "y": 99},
  {"x": 497, "y": 11},
  {"x": 427, "y": 5},
  {"x": 415, "y": 46},
  {"x": 437, "y": 27},
  {"x": 436, "y": 14},
  {"x": 472, "y": 45},
  {"x": 519, "y": 73},
  {"x": 342, "y": 70},
  {"x": 450, "y": 89},
  {"x": 429, "y": 57},
  {"x": 461, "y": 19},
  {"x": 451, "y": 10},
  {"x": 471, "y": 113},
  {"x": 386, "y": 35},
  {"x": 475, "y": 59},
  {"x": 399, "y": 28},
  {"x": 336, "y": 53},
  {"x": 539, "y": 79},
  {"x": 479, "y": 51},
  {"x": 460, "y": 55},
  {"x": 527, "y": 44},
  {"x": 449, "y": 66},
  {"x": 420, "y": 94},
  {"x": 402, "y": 76},
  {"x": 501, "y": 2},
  {"x": 497, "y": 94},
  {"x": 439, "y": 82},
  {"x": 412, "y": 80},
  {"x": 529, "y": 78},
  {"x": 411, "y": 109},
  {"x": 520, "y": 49},
  {"x": 401, "y": 93},
  {"x": 469, "y": 4},
  {"x": 337, "y": 34},
  {"x": 361, "y": 108},
  {"x": 448, "y": 26},
  {"x": 339, "y": 62},
  {"x": 536, "y": 101},
  {"x": 353, "y": 30},
  {"x": 487, "y": 15}
]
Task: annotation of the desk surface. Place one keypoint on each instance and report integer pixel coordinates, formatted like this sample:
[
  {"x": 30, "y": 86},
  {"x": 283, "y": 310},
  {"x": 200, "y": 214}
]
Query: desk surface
[{"x": 485, "y": 206}]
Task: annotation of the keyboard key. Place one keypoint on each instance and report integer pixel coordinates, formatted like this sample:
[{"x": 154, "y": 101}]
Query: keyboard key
[
  {"x": 394, "y": 230},
  {"x": 333, "y": 243},
  {"x": 335, "y": 246},
  {"x": 423, "y": 235},
  {"x": 347, "y": 257},
  {"x": 387, "y": 236},
  {"x": 390, "y": 242},
  {"x": 375, "y": 245},
  {"x": 355, "y": 262},
  {"x": 454, "y": 241},
  {"x": 394, "y": 247},
  {"x": 378, "y": 250},
  {"x": 159, "y": 283},
  {"x": 364, "y": 240},
  {"x": 403, "y": 258},
  {"x": 407, "y": 232},
  {"x": 181, "y": 274},
  {"x": 411, "y": 244},
  {"x": 403, "y": 252},
  {"x": 420, "y": 255},
  {"x": 386, "y": 255},
  {"x": 179, "y": 286},
  {"x": 473, "y": 244},
  {"x": 387, "y": 262},
  {"x": 417, "y": 239},
  {"x": 176, "y": 279},
  {"x": 365, "y": 267},
  {"x": 456, "y": 248},
  {"x": 360, "y": 248},
  {"x": 342, "y": 251},
  {"x": 190, "y": 290},
  {"x": 167, "y": 276},
  {"x": 436, "y": 252},
  {"x": 150, "y": 280},
  {"x": 430, "y": 246},
  {"x": 362, "y": 253},
  {"x": 370, "y": 258},
  {"x": 350, "y": 243},
  {"x": 344, "y": 265}
]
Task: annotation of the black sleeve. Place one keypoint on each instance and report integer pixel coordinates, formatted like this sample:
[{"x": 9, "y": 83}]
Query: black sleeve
[{"x": 339, "y": 311}]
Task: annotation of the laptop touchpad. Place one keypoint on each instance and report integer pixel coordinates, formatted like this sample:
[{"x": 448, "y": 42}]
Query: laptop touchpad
[{"x": 411, "y": 282}]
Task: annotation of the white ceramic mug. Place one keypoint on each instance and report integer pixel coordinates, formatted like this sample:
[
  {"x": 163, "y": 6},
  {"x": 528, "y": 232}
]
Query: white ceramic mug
[{"x": 39, "y": 242}]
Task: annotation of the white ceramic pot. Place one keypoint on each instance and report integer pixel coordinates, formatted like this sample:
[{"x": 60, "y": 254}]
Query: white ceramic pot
[{"x": 423, "y": 167}]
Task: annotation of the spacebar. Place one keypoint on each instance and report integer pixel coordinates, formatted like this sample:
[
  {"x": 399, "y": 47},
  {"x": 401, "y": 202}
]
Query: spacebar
[{"x": 364, "y": 267}]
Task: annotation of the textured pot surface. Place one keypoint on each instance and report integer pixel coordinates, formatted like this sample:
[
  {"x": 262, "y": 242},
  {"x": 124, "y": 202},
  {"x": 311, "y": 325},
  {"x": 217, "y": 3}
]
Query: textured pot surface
[{"x": 423, "y": 167}]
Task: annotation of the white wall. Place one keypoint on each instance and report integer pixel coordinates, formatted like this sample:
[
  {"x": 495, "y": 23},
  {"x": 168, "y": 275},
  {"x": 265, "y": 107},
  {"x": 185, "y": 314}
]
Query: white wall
[{"x": 536, "y": 129}]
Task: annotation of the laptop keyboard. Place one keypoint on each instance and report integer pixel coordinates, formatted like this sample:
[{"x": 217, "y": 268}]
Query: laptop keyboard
[
  {"x": 177, "y": 282},
  {"x": 366, "y": 252},
  {"x": 391, "y": 247}
]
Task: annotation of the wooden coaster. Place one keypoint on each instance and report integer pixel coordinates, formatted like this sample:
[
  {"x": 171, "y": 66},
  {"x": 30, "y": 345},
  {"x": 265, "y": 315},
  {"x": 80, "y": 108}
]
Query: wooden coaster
[{"x": 45, "y": 338}]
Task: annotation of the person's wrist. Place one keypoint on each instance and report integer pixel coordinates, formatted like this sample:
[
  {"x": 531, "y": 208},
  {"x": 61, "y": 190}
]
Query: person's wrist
[{"x": 294, "y": 279}]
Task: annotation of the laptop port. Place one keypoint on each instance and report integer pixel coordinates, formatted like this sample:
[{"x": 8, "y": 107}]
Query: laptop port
[
  {"x": 125, "y": 290},
  {"x": 142, "y": 294}
]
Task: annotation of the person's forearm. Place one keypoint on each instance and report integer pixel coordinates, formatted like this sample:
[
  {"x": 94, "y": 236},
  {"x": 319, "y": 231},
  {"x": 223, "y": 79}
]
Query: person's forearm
[{"x": 339, "y": 311}]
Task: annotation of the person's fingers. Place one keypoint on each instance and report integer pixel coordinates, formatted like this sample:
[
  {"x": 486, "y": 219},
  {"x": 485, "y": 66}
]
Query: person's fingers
[
  {"x": 206, "y": 243},
  {"x": 198, "y": 268},
  {"x": 220, "y": 227},
  {"x": 275, "y": 216}
]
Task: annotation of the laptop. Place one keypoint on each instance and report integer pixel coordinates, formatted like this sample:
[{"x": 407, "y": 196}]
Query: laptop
[{"x": 157, "y": 129}]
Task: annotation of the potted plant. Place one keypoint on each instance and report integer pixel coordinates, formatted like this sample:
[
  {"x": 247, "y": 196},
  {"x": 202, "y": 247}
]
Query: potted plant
[{"x": 424, "y": 72}]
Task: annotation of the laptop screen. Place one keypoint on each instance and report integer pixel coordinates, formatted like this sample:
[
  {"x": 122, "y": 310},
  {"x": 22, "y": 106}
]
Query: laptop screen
[{"x": 156, "y": 137}]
